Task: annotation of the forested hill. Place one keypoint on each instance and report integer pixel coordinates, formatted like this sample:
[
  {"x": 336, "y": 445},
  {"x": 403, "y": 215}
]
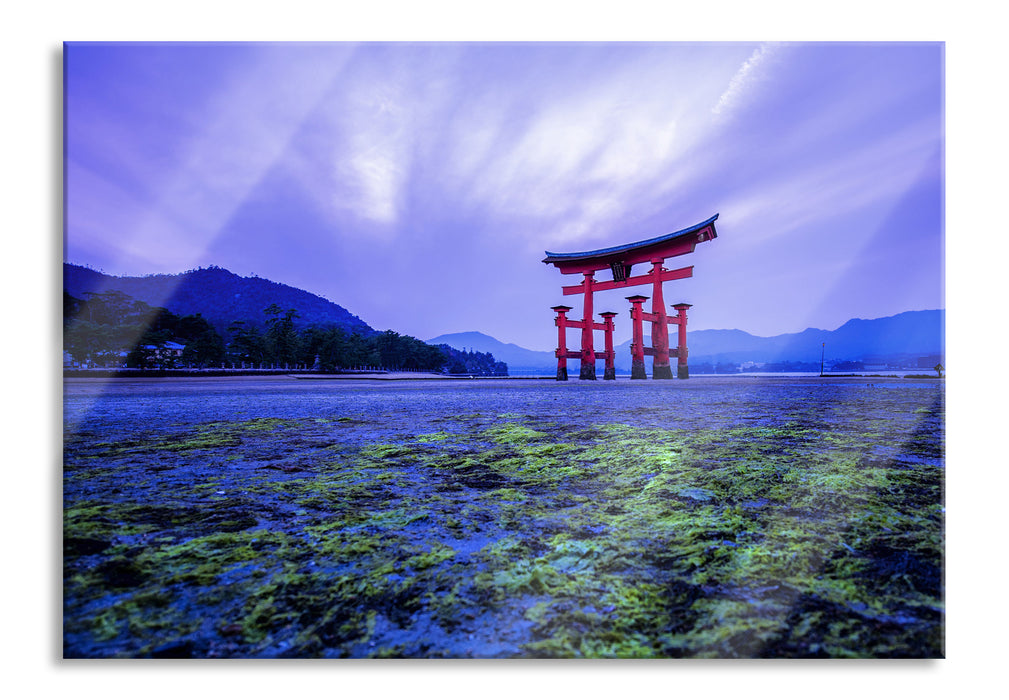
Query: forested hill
[{"x": 221, "y": 296}]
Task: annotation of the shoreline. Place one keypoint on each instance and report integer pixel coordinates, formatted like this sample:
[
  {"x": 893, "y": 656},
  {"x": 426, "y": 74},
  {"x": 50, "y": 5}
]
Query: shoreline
[
  {"x": 382, "y": 375},
  {"x": 270, "y": 373}
]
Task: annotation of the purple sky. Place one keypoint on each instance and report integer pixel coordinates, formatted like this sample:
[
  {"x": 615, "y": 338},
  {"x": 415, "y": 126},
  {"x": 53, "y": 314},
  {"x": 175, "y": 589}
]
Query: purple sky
[{"x": 418, "y": 185}]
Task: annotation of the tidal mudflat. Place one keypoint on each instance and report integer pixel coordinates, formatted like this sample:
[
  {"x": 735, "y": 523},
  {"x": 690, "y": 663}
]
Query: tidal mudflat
[{"x": 713, "y": 517}]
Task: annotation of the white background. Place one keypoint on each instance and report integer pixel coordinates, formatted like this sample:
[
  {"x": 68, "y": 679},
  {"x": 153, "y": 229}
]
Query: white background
[{"x": 31, "y": 194}]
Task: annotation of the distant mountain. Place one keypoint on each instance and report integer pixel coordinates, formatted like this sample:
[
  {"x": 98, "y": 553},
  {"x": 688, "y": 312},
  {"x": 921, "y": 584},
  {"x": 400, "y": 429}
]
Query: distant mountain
[
  {"x": 911, "y": 334},
  {"x": 221, "y": 296},
  {"x": 519, "y": 359}
]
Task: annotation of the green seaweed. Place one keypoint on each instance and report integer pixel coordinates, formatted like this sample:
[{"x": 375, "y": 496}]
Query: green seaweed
[{"x": 791, "y": 538}]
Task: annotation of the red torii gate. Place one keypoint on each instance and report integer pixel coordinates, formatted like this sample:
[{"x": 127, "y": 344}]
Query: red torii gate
[{"x": 620, "y": 260}]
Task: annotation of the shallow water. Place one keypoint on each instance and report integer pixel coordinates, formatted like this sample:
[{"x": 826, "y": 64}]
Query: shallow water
[
  {"x": 717, "y": 516},
  {"x": 702, "y": 402}
]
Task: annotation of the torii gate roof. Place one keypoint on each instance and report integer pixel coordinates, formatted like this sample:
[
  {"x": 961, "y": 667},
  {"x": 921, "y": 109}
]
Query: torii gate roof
[{"x": 667, "y": 246}]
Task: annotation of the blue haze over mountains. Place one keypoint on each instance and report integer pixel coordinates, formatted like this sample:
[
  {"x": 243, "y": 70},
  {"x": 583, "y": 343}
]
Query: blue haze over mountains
[
  {"x": 912, "y": 333},
  {"x": 222, "y": 297}
]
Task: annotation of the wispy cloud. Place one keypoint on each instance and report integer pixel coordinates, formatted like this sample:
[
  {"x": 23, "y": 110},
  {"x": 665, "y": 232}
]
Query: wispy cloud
[
  {"x": 563, "y": 163},
  {"x": 746, "y": 80},
  {"x": 577, "y": 162}
]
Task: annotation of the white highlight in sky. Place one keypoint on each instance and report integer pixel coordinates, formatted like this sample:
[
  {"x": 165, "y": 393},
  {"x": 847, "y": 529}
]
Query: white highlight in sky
[
  {"x": 476, "y": 158},
  {"x": 742, "y": 82}
]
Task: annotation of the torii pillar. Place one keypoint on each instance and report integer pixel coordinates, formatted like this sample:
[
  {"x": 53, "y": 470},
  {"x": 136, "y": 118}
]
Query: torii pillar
[
  {"x": 620, "y": 260},
  {"x": 637, "y": 337},
  {"x": 588, "y": 356},
  {"x": 562, "y": 341},
  {"x": 611, "y": 370},
  {"x": 660, "y": 331},
  {"x": 682, "y": 370},
  {"x": 638, "y": 349}
]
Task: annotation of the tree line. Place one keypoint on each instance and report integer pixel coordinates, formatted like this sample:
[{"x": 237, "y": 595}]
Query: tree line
[{"x": 111, "y": 329}]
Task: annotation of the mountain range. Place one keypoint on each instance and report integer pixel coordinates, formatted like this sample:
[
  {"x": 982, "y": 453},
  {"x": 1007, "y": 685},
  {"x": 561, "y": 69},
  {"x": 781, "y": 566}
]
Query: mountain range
[{"x": 910, "y": 334}]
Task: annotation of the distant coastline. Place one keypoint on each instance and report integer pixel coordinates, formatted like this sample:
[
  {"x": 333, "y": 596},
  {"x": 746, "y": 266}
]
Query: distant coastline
[
  {"x": 103, "y": 373},
  {"x": 127, "y": 373}
]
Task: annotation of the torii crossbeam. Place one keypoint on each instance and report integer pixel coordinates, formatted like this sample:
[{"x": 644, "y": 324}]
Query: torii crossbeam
[{"x": 620, "y": 260}]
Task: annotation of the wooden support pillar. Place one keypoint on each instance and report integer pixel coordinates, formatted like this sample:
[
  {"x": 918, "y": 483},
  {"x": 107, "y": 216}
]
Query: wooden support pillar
[
  {"x": 611, "y": 371},
  {"x": 660, "y": 331},
  {"x": 562, "y": 342},
  {"x": 682, "y": 371},
  {"x": 588, "y": 359},
  {"x": 637, "y": 337}
]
